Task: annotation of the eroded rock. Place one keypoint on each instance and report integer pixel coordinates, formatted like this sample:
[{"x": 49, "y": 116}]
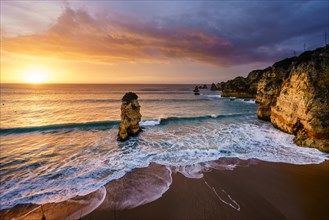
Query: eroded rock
[
  {"x": 294, "y": 96},
  {"x": 241, "y": 87},
  {"x": 269, "y": 87},
  {"x": 130, "y": 116},
  {"x": 196, "y": 91},
  {"x": 302, "y": 105}
]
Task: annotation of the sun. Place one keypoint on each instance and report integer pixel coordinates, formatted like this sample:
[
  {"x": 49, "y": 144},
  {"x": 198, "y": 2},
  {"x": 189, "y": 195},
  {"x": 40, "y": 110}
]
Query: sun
[{"x": 36, "y": 75}]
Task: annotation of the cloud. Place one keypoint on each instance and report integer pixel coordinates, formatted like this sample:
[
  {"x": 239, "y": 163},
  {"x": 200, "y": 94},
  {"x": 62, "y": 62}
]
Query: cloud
[
  {"x": 277, "y": 26},
  {"x": 220, "y": 33},
  {"x": 24, "y": 17},
  {"x": 78, "y": 35}
]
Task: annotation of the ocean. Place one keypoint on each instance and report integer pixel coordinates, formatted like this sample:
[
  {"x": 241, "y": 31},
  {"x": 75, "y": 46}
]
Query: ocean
[{"x": 60, "y": 141}]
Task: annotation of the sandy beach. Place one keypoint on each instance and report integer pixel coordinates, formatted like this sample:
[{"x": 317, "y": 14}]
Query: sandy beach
[
  {"x": 260, "y": 191},
  {"x": 250, "y": 189}
]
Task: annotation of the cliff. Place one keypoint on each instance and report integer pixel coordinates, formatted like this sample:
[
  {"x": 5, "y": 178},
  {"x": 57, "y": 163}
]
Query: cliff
[
  {"x": 299, "y": 105},
  {"x": 243, "y": 87},
  {"x": 269, "y": 87},
  {"x": 293, "y": 94}
]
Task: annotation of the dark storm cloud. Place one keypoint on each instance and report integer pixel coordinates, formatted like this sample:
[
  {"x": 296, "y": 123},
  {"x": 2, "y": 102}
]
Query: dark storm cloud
[{"x": 261, "y": 31}]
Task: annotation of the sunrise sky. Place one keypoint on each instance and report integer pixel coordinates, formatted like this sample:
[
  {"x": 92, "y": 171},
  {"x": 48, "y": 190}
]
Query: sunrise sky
[{"x": 153, "y": 41}]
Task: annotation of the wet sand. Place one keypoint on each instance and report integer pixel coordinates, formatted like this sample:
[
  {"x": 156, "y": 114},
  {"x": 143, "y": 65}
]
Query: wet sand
[
  {"x": 260, "y": 190},
  {"x": 70, "y": 209},
  {"x": 231, "y": 189}
]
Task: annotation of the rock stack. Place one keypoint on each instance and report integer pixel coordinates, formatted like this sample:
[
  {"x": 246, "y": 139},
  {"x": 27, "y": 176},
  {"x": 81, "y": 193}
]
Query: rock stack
[
  {"x": 130, "y": 117},
  {"x": 196, "y": 91}
]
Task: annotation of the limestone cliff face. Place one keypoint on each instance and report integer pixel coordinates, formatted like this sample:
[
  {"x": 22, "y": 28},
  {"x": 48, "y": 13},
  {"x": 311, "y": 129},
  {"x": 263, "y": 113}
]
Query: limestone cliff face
[
  {"x": 241, "y": 87},
  {"x": 294, "y": 96},
  {"x": 302, "y": 106},
  {"x": 269, "y": 87},
  {"x": 130, "y": 116}
]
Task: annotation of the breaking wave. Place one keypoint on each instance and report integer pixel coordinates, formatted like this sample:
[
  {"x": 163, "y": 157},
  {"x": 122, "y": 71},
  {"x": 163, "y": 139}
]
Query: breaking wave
[
  {"x": 102, "y": 125},
  {"x": 78, "y": 163}
]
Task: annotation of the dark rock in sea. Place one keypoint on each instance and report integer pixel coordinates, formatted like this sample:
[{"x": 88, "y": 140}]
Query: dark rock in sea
[
  {"x": 213, "y": 87},
  {"x": 204, "y": 86},
  {"x": 130, "y": 117},
  {"x": 129, "y": 96},
  {"x": 196, "y": 91}
]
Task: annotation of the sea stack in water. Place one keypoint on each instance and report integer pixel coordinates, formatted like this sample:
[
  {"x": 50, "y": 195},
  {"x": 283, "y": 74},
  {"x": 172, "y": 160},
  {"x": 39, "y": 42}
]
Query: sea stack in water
[
  {"x": 196, "y": 91},
  {"x": 130, "y": 116}
]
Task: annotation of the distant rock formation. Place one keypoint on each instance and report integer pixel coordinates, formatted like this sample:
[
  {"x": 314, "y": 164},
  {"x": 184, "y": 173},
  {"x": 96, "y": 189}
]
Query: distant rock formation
[
  {"x": 130, "y": 117},
  {"x": 213, "y": 87},
  {"x": 204, "y": 86},
  {"x": 241, "y": 87},
  {"x": 196, "y": 91},
  {"x": 220, "y": 85}
]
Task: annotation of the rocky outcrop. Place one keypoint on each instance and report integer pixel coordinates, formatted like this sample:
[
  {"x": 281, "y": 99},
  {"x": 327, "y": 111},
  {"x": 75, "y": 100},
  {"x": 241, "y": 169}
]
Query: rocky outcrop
[
  {"x": 294, "y": 96},
  {"x": 203, "y": 87},
  {"x": 269, "y": 87},
  {"x": 220, "y": 85},
  {"x": 130, "y": 117},
  {"x": 213, "y": 87},
  {"x": 236, "y": 87},
  {"x": 302, "y": 106},
  {"x": 241, "y": 87},
  {"x": 196, "y": 91}
]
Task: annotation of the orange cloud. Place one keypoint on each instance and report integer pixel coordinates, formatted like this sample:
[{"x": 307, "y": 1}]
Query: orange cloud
[{"x": 76, "y": 35}]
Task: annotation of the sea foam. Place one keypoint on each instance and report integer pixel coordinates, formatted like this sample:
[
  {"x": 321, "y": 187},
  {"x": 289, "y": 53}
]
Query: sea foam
[
  {"x": 150, "y": 123},
  {"x": 81, "y": 161}
]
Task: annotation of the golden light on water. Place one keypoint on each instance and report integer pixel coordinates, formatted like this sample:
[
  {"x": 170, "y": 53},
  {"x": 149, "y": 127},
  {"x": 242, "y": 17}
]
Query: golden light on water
[{"x": 36, "y": 75}]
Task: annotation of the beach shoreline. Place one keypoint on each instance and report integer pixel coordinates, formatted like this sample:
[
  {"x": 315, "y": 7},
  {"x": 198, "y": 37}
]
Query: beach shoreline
[
  {"x": 236, "y": 189},
  {"x": 262, "y": 190}
]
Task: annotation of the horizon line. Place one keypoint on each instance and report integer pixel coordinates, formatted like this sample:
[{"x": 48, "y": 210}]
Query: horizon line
[{"x": 39, "y": 84}]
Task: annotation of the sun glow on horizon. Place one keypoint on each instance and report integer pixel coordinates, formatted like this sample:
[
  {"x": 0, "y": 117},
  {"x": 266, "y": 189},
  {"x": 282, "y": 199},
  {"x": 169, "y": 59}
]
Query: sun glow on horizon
[{"x": 36, "y": 75}]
